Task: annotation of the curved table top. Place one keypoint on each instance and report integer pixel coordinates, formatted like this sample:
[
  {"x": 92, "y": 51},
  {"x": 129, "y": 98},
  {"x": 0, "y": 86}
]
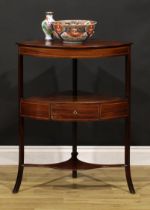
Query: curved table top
[
  {"x": 94, "y": 44},
  {"x": 87, "y": 49}
]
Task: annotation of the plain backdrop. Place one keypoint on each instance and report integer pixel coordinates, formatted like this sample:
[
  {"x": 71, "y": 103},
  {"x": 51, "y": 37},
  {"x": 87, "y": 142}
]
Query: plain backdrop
[{"x": 124, "y": 20}]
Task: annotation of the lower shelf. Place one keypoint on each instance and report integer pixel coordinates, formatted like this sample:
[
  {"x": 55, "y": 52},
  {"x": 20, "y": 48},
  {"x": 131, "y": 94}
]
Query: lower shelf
[
  {"x": 74, "y": 164},
  {"x": 77, "y": 108}
]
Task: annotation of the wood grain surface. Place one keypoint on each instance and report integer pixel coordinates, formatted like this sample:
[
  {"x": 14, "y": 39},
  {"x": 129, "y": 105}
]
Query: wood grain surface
[
  {"x": 81, "y": 108},
  {"x": 88, "y": 49},
  {"x": 98, "y": 189}
]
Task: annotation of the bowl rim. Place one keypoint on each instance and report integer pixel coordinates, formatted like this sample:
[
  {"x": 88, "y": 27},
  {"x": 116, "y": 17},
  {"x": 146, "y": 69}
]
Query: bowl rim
[{"x": 94, "y": 22}]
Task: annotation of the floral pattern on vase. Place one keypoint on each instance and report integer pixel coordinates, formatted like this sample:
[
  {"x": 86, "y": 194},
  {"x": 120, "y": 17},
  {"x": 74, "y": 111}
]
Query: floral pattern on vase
[{"x": 47, "y": 26}]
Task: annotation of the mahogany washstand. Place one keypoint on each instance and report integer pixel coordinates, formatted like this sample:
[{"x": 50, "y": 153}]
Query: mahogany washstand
[{"x": 75, "y": 107}]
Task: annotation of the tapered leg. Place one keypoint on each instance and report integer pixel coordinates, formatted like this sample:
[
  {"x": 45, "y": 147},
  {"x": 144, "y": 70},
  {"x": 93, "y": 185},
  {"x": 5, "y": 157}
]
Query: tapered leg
[
  {"x": 20, "y": 126},
  {"x": 127, "y": 158},
  {"x": 21, "y": 156},
  {"x": 128, "y": 124}
]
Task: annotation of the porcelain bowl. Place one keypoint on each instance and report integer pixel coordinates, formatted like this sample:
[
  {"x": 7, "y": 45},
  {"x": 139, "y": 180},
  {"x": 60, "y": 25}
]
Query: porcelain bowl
[{"x": 73, "y": 31}]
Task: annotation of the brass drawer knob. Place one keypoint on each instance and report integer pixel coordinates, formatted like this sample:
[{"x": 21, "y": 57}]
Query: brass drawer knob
[{"x": 75, "y": 112}]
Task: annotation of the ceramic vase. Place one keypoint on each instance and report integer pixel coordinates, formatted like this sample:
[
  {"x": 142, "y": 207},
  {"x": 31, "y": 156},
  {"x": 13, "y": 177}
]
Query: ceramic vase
[{"x": 47, "y": 26}]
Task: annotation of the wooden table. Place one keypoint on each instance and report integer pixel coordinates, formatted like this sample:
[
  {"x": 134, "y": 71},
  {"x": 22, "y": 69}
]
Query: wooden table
[{"x": 76, "y": 106}]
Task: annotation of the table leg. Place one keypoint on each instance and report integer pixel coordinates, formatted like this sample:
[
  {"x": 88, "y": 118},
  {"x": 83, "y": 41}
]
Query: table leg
[
  {"x": 128, "y": 123},
  {"x": 127, "y": 157},
  {"x": 74, "y": 124},
  {"x": 21, "y": 156},
  {"x": 74, "y": 149},
  {"x": 20, "y": 126}
]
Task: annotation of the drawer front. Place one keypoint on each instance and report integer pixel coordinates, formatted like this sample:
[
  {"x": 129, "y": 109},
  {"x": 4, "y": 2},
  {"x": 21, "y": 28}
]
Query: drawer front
[
  {"x": 114, "y": 110},
  {"x": 74, "y": 112},
  {"x": 35, "y": 110}
]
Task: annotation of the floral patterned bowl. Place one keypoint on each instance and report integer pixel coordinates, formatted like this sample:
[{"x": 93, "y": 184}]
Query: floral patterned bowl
[{"x": 73, "y": 31}]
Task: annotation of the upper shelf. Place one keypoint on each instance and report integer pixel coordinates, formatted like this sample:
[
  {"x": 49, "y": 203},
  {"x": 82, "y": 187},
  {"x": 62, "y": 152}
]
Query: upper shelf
[{"x": 88, "y": 49}]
